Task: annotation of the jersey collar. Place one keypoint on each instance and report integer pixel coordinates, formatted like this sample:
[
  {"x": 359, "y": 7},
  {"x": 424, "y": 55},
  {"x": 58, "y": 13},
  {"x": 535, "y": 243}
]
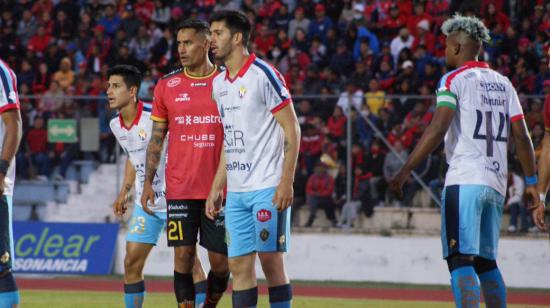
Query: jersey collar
[
  {"x": 136, "y": 119},
  {"x": 480, "y": 64},
  {"x": 243, "y": 70}
]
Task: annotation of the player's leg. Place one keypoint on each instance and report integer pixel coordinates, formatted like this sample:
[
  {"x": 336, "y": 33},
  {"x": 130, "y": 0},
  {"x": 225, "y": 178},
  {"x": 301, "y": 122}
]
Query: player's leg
[
  {"x": 212, "y": 237},
  {"x": 461, "y": 216},
  {"x": 199, "y": 279},
  {"x": 240, "y": 249},
  {"x": 143, "y": 233},
  {"x": 9, "y": 294},
  {"x": 492, "y": 283},
  {"x": 272, "y": 238},
  {"x": 183, "y": 224}
]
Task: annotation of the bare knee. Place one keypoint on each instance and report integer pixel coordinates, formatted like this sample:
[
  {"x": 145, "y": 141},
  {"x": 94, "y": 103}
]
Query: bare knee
[
  {"x": 273, "y": 267},
  {"x": 133, "y": 268},
  {"x": 184, "y": 259},
  {"x": 244, "y": 274},
  {"x": 218, "y": 264}
]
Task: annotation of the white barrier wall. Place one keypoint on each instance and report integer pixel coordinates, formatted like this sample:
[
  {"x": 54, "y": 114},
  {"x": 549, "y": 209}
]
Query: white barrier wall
[{"x": 343, "y": 257}]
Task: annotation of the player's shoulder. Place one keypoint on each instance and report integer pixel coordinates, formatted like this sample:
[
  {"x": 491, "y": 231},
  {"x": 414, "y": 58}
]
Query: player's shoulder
[
  {"x": 114, "y": 123},
  {"x": 172, "y": 74}
]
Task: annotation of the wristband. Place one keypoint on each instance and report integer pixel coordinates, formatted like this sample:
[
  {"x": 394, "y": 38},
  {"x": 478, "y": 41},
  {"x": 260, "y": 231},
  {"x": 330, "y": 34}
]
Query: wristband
[
  {"x": 4, "y": 166},
  {"x": 531, "y": 180}
]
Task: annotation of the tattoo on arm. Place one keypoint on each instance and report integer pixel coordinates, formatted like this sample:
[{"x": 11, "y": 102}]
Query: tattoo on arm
[{"x": 154, "y": 149}]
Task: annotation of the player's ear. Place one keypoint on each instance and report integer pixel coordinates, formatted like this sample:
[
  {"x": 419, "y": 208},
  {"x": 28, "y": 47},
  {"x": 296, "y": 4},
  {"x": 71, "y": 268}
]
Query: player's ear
[
  {"x": 457, "y": 49},
  {"x": 133, "y": 91},
  {"x": 237, "y": 38}
]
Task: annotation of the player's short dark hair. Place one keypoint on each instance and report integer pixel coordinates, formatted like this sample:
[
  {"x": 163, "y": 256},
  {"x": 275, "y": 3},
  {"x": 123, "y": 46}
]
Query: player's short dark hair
[
  {"x": 196, "y": 24},
  {"x": 236, "y": 22},
  {"x": 130, "y": 74}
]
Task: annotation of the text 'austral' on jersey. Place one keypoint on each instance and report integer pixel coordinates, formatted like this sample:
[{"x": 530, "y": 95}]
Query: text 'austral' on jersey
[
  {"x": 195, "y": 133},
  {"x": 9, "y": 99},
  {"x": 254, "y": 141},
  {"x": 476, "y": 144},
  {"x": 134, "y": 141}
]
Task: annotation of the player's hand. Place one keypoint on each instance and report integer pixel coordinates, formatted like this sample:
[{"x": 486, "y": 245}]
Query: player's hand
[
  {"x": 119, "y": 207},
  {"x": 284, "y": 195},
  {"x": 532, "y": 195},
  {"x": 213, "y": 204},
  {"x": 147, "y": 197},
  {"x": 396, "y": 183},
  {"x": 538, "y": 217}
]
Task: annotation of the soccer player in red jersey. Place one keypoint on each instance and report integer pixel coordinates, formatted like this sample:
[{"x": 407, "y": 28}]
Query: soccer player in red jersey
[
  {"x": 183, "y": 107},
  {"x": 544, "y": 167}
]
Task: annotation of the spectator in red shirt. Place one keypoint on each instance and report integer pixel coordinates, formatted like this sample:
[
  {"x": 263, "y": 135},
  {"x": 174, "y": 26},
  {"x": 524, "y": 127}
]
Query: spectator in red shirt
[
  {"x": 336, "y": 124},
  {"x": 264, "y": 40},
  {"x": 319, "y": 189},
  {"x": 401, "y": 134},
  {"x": 393, "y": 23},
  {"x": 37, "y": 143},
  {"x": 494, "y": 17},
  {"x": 311, "y": 146},
  {"x": 144, "y": 10},
  {"x": 424, "y": 37},
  {"x": 419, "y": 15},
  {"x": 39, "y": 42}
]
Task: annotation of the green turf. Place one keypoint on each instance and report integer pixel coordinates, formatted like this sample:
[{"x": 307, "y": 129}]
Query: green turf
[{"x": 71, "y": 299}]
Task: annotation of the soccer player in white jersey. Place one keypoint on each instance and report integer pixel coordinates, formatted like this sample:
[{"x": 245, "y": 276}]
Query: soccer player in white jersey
[
  {"x": 476, "y": 107},
  {"x": 258, "y": 162},
  {"x": 10, "y": 136},
  {"x": 132, "y": 130}
]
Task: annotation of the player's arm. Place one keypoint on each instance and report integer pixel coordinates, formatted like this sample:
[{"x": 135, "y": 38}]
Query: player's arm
[
  {"x": 154, "y": 152},
  {"x": 430, "y": 140},
  {"x": 215, "y": 197},
  {"x": 544, "y": 179},
  {"x": 12, "y": 138},
  {"x": 119, "y": 206},
  {"x": 286, "y": 117}
]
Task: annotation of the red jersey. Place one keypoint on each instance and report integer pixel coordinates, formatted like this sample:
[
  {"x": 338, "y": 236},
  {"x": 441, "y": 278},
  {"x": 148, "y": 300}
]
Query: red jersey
[
  {"x": 547, "y": 113},
  {"x": 195, "y": 133}
]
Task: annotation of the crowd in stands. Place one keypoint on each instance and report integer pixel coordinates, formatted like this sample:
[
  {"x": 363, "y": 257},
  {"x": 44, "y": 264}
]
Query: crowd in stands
[{"x": 331, "y": 53}]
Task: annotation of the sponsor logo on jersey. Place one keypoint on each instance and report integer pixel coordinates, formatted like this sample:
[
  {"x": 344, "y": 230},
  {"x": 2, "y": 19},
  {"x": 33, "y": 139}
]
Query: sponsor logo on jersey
[
  {"x": 190, "y": 120},
  {"x": 492, "y": 101},
  {"x": 238, "y": 166},
  {"x": 12, "y": 96},
  {"x": 223, "y": 93},
  {"x": 142, "y": 134},
  {"x": 242, "y": 91},
  {"x": 174, "y": 82},
  {"x": 263, "y": 216},
  {"x": 492, "y": 86},
  {"x": 198, "y": 137},
  {"x": 183, "y": 97},
  {"x": 199, "y": 84}
]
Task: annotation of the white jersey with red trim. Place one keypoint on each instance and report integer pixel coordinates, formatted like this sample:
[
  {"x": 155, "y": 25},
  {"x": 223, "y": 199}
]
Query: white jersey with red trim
[
  {"x": 9, "y": 99},
  {"x": 476, "y": 144},
  {"x": 254, "y": 141},
  {"x": 134, "y": 141}
]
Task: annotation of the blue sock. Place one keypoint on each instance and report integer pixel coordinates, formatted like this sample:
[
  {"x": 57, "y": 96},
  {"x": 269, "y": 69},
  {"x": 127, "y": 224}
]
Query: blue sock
[
  {"x": 200, "y": 293},
  {"x": 280, "y": 296},
  {"x": 8, "y": 299},
  {"x": 9, "y": 295},
  {"x": 134, "y": 294},
  {"x": 465, "y": 287},
  {"x": 494, "y": 290},
  {"x": 245, "y": 298}
]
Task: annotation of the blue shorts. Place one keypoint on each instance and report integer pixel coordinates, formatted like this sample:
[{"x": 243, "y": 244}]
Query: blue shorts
[
  {"x": 145, "y": 228},
  {"x": 6, "y": 233},
  {"x": 470, "y": 220},
  {"x": 253, "y": 224}
]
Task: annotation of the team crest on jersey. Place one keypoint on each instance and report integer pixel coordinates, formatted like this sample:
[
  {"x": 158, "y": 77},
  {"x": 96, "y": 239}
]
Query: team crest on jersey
[
  {"x": 264, "y": 235},
  {"x": 142, "y": 134},
  {"x": 174, "y": 82},
  {"x": 13, "y": 96},
  {"x": 183, "y": 97},
  {"x": 242, "y": 91},
  {"x": 5, "y": 257}
]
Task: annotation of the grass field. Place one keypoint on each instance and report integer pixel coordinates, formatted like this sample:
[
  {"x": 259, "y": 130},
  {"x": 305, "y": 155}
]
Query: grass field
[{"x": 70, "y": 299}]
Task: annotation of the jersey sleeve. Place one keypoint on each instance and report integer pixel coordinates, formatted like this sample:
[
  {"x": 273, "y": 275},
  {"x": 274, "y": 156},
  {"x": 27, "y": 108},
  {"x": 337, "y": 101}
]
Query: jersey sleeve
[
  {"x": 9, "y": 99},
  {"x": 277, "y": 95},
  {"x": 446, "y": 93},
  {"x": 160, "y": 113},
  {"x": 547, "y": 113},
  {"x": 515, "y": 111}
]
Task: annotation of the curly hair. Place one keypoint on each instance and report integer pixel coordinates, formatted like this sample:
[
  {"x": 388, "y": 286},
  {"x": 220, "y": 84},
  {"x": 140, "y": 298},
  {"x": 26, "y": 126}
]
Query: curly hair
[{"x": 472, "y": 26}]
